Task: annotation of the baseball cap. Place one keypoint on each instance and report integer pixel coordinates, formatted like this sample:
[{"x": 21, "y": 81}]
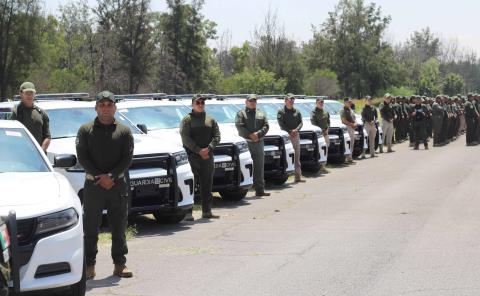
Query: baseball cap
[
  {"x": 105, "y": 95},
  {"x": 27, "y": 86},
  {"x": 289, "y": 96},
  {"x": 252, "y": 97},
  {"x": 198, "y": 97}
]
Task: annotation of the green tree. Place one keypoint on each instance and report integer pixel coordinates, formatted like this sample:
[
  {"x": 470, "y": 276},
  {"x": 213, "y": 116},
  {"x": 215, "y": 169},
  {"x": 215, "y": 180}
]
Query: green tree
[
  {"x": 352, "y": 40},
  {"x": 429, "y": 84},
  {"x": 254, "y": 80},
  {"x": 453, "y": 84},
  {"x": 241, "y": 57},
  {"x": 186, "y": 33},
  {"x": 322, "y": 82},
  {"x": 20, "y": 25}
]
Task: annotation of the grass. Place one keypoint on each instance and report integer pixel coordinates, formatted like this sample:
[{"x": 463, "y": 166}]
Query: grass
[{"x": 105, "y": 237}]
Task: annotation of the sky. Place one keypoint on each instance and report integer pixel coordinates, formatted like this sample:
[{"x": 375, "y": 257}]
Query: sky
[{"x": 450, "y": 20}]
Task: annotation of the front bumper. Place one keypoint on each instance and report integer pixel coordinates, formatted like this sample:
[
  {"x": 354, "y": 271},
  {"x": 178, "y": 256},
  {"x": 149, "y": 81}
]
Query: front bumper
[{"x": 64, "y": 248}]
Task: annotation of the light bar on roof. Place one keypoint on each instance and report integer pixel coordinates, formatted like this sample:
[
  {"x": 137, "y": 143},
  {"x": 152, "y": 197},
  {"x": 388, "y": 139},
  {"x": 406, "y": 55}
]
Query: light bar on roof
[
  {"x": 151, "y": 96},
  {"x": 58, "y": 96}
]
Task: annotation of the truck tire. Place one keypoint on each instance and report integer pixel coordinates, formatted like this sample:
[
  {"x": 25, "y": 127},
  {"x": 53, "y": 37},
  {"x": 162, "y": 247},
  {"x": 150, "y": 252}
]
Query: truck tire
[
  {"x": 234, "y": 195},
  {"x": 279, "y": 180},
  {"x": 169, "y": 218}
]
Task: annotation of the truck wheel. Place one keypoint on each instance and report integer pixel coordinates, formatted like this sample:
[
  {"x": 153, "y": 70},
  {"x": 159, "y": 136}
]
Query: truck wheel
[
  {"x": 169, "y": 218},
  {"x": 234, "y": 195},
  {"x": 279, "y": 180},
  {"x": 79, "y": 288},
  {"x": 313, "y": 168}
]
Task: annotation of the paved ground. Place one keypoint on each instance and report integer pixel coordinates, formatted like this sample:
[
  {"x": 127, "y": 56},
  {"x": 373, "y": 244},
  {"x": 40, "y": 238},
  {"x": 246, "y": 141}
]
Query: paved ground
[{"x": 405, "y": 223}]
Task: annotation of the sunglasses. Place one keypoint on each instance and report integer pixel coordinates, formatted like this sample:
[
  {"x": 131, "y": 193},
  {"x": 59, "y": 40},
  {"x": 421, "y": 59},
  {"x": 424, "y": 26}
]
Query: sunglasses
[
  {"x": 291, "y": 99},
  {"x": 252, "y": 100},
  {"x": 199, "y": 102}
]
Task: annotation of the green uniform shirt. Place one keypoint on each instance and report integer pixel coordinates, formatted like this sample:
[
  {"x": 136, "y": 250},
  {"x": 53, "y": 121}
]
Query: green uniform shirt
[
  {"x": 369, "y": 114},
  {"x": 198, "y": 131},
  {"x": 470, "y": 110},
  {"x": 34, "y": 119},
  {"x": 387, "y": 112},
  {"x": 437, "y": 111},
  {"x": 250, "y": 121},
  {"x": 347, "y": 114},
  {"x": 104, "y": 149},
  {"x": 320, "y": 118},
  {"x": 289, "y": 119}
]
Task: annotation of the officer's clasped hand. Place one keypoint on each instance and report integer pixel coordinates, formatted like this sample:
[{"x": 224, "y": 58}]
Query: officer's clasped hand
[{"x": 104, "y": 181}]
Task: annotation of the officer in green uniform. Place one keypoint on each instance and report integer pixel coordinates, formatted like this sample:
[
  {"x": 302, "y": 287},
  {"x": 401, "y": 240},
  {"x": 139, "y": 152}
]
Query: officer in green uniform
[
  {"x": 200, "y": 135},
  {"x": 31, "y": 116},
  {"x": 290, "y": 120},
  {"x": 388, "y": 115},
  {"x": 252, "y": 125},
  {"x": 437, "y": 120},
  {"x": 369, "y": 118},
  {"x": 321, "y": 118},
  {"x": 105, "y": 150},
  {"x": 419, "y": 116},
  {"x": 471, "y": 119},
  {"x": 348, "y": 118}
]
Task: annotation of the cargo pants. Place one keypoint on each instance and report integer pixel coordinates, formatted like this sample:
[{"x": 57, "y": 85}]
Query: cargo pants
[
  {"x": 116, "y": 202},
  {"x": 258, "y": 157}
]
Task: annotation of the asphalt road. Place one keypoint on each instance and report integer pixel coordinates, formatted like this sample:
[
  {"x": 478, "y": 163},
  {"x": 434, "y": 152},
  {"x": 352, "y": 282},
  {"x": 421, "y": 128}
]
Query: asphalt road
[{"x": 405, "y": 223}]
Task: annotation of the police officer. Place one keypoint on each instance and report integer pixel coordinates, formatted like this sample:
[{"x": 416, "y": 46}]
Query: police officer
[
  {"x": 369, "y": 117},
  {"x": 290, "y": 120},
  {"x": 419, "y": 116},
  {"x": 388, "y": 115},
  {"x": 31, "y": 116},
  {"x": 348, "y": 118},
  {"x": 321, "y": 118},
  {"x": 471, "y": 119},
  {"x": 105, "y": 150},
  {"x": 437, "y": 120},
  {"x": 252, "y": 124},
  {"x": 200, "y": 135}
]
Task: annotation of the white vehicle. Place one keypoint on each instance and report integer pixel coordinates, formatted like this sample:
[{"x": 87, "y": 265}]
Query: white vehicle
[
  {"x": 361, "y": 140},
  {"x": 279, "y": 153},
  {"x": 6, "y": 109},
  {"x": 48, "y": 212},
  {"x": 160, "y": 177},
  {"x": 313, "y": 149},
  {"x": 161, "y": 118}
]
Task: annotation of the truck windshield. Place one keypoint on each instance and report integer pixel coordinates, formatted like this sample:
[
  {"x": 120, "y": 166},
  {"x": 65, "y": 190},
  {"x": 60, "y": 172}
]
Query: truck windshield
[
  {"x": 223, "y": 113},
  {"x": 64, "y": 123},
  {"x": 18, "y": 153},
  {"x": 156, "y": 117}
]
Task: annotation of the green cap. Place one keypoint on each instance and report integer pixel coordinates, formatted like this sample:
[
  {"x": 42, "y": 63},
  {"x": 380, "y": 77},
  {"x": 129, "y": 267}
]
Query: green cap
[
  {"x": 252, "y": 97},
  {"x": 198, "y": 97},
  {"x": 387, "y": 95},
  {"x": 289, "y": 96},
  {"x": 27, "y": 86},
  {"x": 105, "y": 95}
]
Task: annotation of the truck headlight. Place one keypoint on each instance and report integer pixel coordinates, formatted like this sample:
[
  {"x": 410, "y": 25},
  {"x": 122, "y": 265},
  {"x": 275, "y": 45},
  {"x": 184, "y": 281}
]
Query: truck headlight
[
  {"x": 78, "y": 168},
  {"x": 181, "y": 158},
  {"x": 57, "y": 221},
  {"x": 242, "y": 146},
  {"x": 319, "y": 134},
  {"x": 344, "y": 129},
  {"x": 286, "y": 139}
]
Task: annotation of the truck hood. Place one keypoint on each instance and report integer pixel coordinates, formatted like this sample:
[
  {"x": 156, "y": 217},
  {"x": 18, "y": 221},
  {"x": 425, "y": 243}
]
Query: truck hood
[
  {"x": 143, "y": 144},
  {"x": 229, "y": 134},
  {"x": 35, "y": 194}
]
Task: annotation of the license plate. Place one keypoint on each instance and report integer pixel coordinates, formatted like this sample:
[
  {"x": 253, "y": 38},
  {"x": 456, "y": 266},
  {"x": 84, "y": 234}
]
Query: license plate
[
  {"x": 227, "y": 166},
  {"x": 160, "y": 182},
  {"x": 309, "y": 147}
]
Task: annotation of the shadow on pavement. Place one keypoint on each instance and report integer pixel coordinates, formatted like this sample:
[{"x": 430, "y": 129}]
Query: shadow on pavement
[{"x": 110, "y": 281}]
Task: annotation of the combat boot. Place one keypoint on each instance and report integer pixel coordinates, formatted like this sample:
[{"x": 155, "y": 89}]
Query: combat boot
[
  {"x": 90, "y": 272},
  {"x": 122, "y": 271},
  {"x": 380, "y": 148}
]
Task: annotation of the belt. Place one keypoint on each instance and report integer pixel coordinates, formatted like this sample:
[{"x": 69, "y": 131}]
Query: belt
[{"x": 92, "y": 177}]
